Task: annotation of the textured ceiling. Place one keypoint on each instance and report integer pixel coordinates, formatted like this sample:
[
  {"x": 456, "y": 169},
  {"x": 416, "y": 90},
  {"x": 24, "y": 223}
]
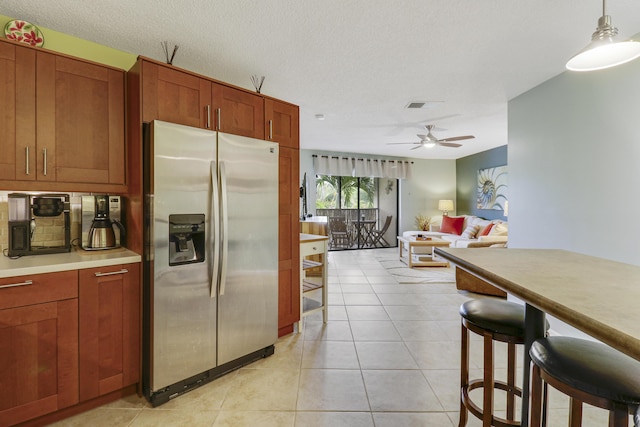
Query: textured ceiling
[{"x": 357, "y": 62}]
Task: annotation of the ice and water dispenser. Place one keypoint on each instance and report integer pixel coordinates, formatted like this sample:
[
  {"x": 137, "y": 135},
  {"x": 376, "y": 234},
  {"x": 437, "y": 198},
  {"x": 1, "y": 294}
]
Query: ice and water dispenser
[{"x": 186, "y": 238}]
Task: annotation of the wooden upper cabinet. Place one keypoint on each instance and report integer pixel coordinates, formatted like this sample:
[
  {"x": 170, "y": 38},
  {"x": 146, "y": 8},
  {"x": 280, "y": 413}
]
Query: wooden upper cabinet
[
  {"x": 282, "y": 123},
  {"x": 17, "y": 112},
  {"x": 237, "y": 112},
  {"x": 174, "y": 96},
  {"x": 79, "y": 121}
]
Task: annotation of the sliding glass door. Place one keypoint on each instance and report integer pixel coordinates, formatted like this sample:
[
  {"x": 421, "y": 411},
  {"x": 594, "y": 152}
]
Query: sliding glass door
[{"x": 356, "y": 201}]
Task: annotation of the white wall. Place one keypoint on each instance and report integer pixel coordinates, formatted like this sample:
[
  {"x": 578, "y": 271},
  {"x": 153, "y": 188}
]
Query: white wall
[
  {"x": 432, "y": 180},
  {"x": 574, "y": 166}
]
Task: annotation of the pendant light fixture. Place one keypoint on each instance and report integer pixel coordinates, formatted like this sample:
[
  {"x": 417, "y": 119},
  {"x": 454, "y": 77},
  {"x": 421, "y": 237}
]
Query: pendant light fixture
[{"x": 606, "y": 49}]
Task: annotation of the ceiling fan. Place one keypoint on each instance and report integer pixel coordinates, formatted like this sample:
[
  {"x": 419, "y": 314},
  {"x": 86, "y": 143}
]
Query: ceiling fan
[{"x": 429, "y": 141}]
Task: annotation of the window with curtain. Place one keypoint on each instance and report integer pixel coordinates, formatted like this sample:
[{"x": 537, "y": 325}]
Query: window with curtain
[
  {"x": 360, "y": 167},
  {"x": 346, "y": 192}
]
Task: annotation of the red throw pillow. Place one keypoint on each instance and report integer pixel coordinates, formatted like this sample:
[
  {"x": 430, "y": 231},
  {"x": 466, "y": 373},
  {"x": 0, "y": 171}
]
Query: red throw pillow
[
  {"x": 487, "y": 230},
  {"x": 452, "y": 224}
]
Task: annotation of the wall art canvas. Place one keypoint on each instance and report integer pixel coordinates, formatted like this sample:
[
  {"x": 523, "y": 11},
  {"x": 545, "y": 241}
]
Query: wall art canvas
[{"x": 492, "y": 188}]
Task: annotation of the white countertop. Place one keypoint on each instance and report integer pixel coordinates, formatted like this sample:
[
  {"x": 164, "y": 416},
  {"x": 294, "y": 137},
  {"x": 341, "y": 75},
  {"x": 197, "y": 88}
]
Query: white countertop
[
  {"x": 315, "y": 219},
  {"x": 75, "y": 260}
]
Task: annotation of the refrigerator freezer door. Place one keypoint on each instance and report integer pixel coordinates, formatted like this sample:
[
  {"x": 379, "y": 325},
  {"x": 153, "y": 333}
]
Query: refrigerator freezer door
[
  {"x": 248, "y": 308},
  {"x": 183, "y": 314}
]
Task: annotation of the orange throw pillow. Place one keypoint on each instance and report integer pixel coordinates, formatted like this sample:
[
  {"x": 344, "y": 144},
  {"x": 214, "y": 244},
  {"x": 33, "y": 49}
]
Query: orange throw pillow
[
  {"x": 452, "y": 225},
  {"x": 487, "y": 230}
]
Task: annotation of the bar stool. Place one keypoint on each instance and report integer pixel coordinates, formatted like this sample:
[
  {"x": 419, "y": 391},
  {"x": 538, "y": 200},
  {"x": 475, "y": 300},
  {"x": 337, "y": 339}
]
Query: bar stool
[
  {"x": 495, "y": 320},
  {"x": 588, "y": 372}
]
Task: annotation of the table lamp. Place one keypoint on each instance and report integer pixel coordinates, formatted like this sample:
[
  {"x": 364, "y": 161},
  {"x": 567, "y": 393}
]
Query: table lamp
[{"x": 445, "y": 206}]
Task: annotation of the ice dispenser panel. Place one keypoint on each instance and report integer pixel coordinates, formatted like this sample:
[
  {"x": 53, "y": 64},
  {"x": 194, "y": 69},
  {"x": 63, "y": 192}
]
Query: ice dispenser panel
[{"x": 186, "y": 238}]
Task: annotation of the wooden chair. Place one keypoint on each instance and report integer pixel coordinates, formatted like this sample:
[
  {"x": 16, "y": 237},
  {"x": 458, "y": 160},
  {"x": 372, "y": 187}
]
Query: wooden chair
[
  {"x": 338, "y": 234},
  {"x": 377, "y": 236}
]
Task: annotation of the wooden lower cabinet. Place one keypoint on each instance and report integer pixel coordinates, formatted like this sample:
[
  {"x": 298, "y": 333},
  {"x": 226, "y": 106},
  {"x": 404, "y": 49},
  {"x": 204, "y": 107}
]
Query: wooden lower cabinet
[
  {"x": 109, "y": 329},
  {"x": 38, "y": 345},
  {"x": 66, "y": 339}
]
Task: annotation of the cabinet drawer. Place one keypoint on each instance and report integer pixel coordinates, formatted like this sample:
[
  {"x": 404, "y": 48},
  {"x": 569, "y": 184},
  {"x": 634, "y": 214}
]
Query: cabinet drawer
[
  {"x": 311, "y": 248},
  {"x": 38, "y": 288}
]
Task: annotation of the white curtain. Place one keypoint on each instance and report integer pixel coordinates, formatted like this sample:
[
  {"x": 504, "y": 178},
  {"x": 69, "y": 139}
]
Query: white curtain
[
  {"x": 358, "y": 167},
  {"x": 338, "y": 166}
]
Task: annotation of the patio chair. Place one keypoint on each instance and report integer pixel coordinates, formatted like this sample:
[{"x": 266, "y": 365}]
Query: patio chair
[
  {"x": 377, "y": 236},
  {"x": 338, "y": 234}
]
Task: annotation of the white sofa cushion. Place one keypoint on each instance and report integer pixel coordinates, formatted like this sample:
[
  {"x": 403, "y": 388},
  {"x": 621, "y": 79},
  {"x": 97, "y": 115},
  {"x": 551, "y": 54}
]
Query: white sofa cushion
[
  {"x": 470, "y": 232},
  {"x": 499, "y": 229}
]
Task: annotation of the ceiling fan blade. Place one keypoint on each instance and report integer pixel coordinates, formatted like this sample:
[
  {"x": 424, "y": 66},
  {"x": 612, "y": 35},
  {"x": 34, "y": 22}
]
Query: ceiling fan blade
[
  {"x": 416, "y": 147},
  {"x": 422, "y": 136},
  {"x": 458, "y": 138},
  {"x": 448, "y": 144},
  {"x": 402, "y": 143}
]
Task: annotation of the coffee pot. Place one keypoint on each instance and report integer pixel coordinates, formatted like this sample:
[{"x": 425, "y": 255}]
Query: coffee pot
[{"x": 105, "y": 231}]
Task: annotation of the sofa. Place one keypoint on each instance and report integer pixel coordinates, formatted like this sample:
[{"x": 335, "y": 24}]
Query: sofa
[{"x": 467, "y": 231}]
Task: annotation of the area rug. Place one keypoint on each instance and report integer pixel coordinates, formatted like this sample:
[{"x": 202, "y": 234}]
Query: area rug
[{"x": 388, "y": 258}]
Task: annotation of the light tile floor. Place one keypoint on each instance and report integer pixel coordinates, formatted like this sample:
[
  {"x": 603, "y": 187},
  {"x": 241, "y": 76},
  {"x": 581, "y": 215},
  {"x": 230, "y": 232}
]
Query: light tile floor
[{"x": 388, "y": 357}]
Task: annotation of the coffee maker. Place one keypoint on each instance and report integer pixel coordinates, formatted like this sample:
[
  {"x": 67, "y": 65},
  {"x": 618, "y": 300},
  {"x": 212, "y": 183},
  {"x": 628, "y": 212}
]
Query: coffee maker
[
  {"x": 101, "y": 222},
  {"x": 30, "y": 215}
]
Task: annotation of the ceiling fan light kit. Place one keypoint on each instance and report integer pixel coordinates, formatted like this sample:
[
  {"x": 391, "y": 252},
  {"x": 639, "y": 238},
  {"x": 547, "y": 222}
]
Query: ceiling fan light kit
[{"x": 606, "y": 48}]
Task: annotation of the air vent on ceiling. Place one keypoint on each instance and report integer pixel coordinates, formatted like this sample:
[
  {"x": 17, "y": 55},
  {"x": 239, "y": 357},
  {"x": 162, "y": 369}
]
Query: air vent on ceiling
[
  {"x": 415, "y": 105},
  {"x": 423, "y": 104}
]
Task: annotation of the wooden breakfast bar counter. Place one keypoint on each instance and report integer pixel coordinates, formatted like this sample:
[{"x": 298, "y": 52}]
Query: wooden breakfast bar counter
[{"x": 597, "y": 296}]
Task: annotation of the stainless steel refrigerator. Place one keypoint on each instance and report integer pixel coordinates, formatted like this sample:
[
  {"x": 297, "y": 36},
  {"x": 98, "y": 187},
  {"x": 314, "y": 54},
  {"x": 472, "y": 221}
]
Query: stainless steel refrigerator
[{"x": 211, "y": 256}]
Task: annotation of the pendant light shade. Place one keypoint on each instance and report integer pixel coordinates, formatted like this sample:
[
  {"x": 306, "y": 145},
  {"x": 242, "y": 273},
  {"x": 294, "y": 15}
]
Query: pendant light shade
[{"x": 606, "y": 49}]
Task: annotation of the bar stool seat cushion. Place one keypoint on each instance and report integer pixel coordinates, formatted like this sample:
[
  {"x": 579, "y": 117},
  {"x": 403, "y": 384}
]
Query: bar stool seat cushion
[
  {"x": 495, "y": 315},
  {"x": 589, "y": 366}
]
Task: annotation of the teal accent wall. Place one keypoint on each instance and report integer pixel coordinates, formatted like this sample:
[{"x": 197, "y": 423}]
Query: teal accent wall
[{"x": 467, "y": 180}]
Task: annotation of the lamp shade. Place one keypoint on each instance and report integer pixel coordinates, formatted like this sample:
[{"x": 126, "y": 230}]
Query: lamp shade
[
  {"x": 445, "y": 205},
  {"x": 605, "y": 50}
]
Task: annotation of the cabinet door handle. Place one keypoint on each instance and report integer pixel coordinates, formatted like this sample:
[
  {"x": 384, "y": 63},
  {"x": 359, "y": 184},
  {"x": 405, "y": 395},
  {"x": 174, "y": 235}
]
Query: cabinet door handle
[
  {"x": 44, "y": 156},
  {"x": 219, "y": 114},
  {"x": 123, "y": 271},
  {"x": 208, "y": 116},
  {"x": 26, "y": 160},
  {"x": 271, "y": 129},
  {"x": 13, "y": 285}
]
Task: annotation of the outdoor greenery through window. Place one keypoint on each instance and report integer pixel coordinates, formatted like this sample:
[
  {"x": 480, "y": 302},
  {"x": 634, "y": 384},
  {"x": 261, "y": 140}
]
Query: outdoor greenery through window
[{"x": 345, "y": 192}]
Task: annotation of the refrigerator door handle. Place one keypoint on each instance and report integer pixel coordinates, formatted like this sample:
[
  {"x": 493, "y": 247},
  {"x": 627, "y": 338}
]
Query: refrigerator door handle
[
  {"x": 215, "y": 234},
  {"x": 224, "y": 238}
]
